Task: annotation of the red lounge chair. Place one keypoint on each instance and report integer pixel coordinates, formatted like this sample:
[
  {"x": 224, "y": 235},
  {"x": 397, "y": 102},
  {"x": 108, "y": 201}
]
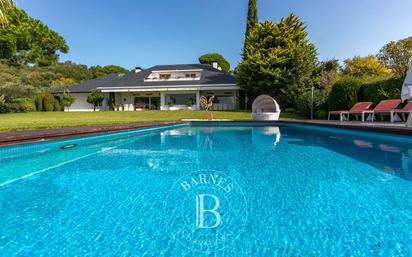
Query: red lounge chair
[
  {"x": 356, "y": 109},
  {"x": 386, "y": 106},
  {"x": 402, "y": 112}
]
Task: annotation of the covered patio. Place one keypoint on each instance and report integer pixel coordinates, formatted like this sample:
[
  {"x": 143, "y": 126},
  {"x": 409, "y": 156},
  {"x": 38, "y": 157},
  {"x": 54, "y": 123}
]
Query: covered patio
[{"x": 169, "y": 100}]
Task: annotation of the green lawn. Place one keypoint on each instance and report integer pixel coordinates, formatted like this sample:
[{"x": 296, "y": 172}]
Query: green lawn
[{"x": 39, "y": 120}]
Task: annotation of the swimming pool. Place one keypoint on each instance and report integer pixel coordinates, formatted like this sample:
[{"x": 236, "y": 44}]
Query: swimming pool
[{"x": 278, "y": 190}]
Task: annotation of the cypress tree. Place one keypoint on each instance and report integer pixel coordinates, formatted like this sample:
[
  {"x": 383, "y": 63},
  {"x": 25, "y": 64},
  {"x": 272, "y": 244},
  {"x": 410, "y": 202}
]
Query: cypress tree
[{"x": 252, "y": 17}]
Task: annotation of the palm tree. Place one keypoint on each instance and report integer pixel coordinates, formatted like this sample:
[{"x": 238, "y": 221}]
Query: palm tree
[{"x": 4, "y": 5}]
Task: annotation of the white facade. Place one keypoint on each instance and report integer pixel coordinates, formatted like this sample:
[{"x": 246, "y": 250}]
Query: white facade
[
  {"x": 166, "y": 100},
  {"x": 152, "y": 95},
  {"x": 81, "y": 105}
]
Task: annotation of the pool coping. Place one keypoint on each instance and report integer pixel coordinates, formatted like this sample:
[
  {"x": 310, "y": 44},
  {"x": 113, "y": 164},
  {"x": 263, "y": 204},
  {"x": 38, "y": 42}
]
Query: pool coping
[
  {"x": 40, "y": 135},
  {"x": 29, "y": 136}
]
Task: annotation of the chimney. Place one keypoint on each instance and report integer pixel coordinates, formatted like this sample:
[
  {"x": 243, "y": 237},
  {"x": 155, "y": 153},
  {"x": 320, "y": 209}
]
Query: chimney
[{"x": 215, "y": 65}]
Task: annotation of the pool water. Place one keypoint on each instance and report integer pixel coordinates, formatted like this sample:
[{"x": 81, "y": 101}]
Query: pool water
[{"x": 307, "y": 191}]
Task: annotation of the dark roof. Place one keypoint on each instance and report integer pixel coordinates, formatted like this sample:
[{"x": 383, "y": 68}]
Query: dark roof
[
  {"x": 87, "y": 86},
  {"x": 209, "y": 76}
]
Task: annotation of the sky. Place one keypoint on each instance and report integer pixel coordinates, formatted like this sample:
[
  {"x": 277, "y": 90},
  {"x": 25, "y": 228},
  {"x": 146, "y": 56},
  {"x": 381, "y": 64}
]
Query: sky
[{"x": 144, "y": 33}]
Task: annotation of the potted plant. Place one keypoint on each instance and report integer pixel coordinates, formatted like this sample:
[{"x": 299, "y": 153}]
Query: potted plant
[{"x": 189, "y": 103}]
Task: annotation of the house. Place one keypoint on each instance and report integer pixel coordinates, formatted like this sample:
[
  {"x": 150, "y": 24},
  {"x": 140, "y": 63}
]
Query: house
[{"x": 162, "y": 87}]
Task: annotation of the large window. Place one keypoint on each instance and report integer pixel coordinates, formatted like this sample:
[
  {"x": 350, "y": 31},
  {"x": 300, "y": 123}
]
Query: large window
[
  {"x": 165, "y": 76},
  {"x": 181, "y": 99}
]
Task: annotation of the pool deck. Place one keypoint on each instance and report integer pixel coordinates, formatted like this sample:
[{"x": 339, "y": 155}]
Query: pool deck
[{"x": 26, "y": 136}]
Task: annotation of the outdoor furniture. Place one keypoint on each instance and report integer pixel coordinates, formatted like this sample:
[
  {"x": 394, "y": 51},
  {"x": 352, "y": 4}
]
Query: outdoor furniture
[
  {"x": 358, "y": 108},
  {"x": 139, "y": 106},
  {"x": 385, "y": 106},
  {"x": 265, "y": 108},
  {"x": 402, "y": 112}
]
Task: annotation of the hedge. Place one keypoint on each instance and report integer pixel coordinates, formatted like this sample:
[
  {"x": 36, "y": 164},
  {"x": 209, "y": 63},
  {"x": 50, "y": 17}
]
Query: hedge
[
  {"x": 344, "y": 93},
  {"x": 23, "y": 105},
  {"x": 381, "y": 90}
]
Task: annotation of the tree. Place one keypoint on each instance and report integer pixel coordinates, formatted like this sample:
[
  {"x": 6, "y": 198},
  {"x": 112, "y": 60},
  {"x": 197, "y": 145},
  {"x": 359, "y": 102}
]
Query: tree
[
  {"x": 365, "y": 67},
  {"x": 278, "y": 60},
  {"x": 67, "y": 99},
  {"x": 215, "y": 57},
  {"x": 252, "y": 18},
  {"x": 28, "y": 41},
  {"x": 326, "y": 74},
  {"x": 328, "y": 66},
  {"x": 397, "y": 55},
  {"x": 4, "y": 6},
  {"x": 99, "y": 71},
  {"x": 95, "y": 98},
  {"x": 29, "y": 81}
]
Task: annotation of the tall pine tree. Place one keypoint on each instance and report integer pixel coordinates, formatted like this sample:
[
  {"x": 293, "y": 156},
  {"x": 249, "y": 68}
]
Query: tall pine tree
[{"x": 252, "y": 18}]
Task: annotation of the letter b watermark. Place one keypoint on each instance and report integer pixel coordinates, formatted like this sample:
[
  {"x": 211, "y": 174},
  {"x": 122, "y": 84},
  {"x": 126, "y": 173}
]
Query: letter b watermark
[
  {"x": 205, "y": 211},
  {"x": 201, "y": 211}
]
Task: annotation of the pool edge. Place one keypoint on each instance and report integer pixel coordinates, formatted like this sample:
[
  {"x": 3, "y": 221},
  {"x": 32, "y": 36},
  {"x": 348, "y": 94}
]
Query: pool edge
[
  {"x": 33, "y": 136},
  {"x": 30, "y": 136}
]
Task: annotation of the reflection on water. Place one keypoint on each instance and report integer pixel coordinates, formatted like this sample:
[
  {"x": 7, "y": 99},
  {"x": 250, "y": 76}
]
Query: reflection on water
[{"x": 392, "y": 155}]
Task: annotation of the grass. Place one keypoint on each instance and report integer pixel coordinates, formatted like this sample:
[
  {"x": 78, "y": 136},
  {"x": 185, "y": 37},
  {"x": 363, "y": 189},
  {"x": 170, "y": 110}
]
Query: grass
[{"x": 41, "y": 120}]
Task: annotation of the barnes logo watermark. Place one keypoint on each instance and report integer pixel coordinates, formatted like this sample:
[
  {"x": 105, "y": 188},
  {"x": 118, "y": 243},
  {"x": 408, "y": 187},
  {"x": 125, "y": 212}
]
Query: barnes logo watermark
[{"x": 205, "y": 211}]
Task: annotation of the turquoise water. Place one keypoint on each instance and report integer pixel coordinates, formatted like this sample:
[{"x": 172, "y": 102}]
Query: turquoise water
[{"x": 299, "y": 191}]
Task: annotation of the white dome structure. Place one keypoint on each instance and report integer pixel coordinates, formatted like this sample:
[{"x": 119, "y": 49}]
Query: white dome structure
[{"x": 265, "y": 108}]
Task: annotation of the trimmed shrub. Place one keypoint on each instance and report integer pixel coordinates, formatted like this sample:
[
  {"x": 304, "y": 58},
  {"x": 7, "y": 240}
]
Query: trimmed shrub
[
  {"x": 23, "y": 105},
  {"x": 4, "y": 107},
  {"x": 48, "y": 102},
  {"x": 57, "y": 105},
  {"x": 39, "y": 102},
  {"x": 344, "y": 93}
]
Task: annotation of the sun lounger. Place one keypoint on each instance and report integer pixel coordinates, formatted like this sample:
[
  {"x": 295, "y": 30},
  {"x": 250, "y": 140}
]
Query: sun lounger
[
  {"x": 385, "y": 106},
  {"x": 404, "y": 111},
  {"x": 358, "y": 108}
]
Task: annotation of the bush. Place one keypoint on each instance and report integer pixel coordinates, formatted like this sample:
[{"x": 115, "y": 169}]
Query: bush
[
  {"x": 344, "y": 93},
  {"x": 381, "y": 90},
  {"x": 57, "y": 105},
  {"x": 48, "y": 102},
  {"x": 321, "y": 114},
  {"x": 39, "y": 102},
  {"x": 23, "y": 105},
  {"x": 4, "y": 107}
]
